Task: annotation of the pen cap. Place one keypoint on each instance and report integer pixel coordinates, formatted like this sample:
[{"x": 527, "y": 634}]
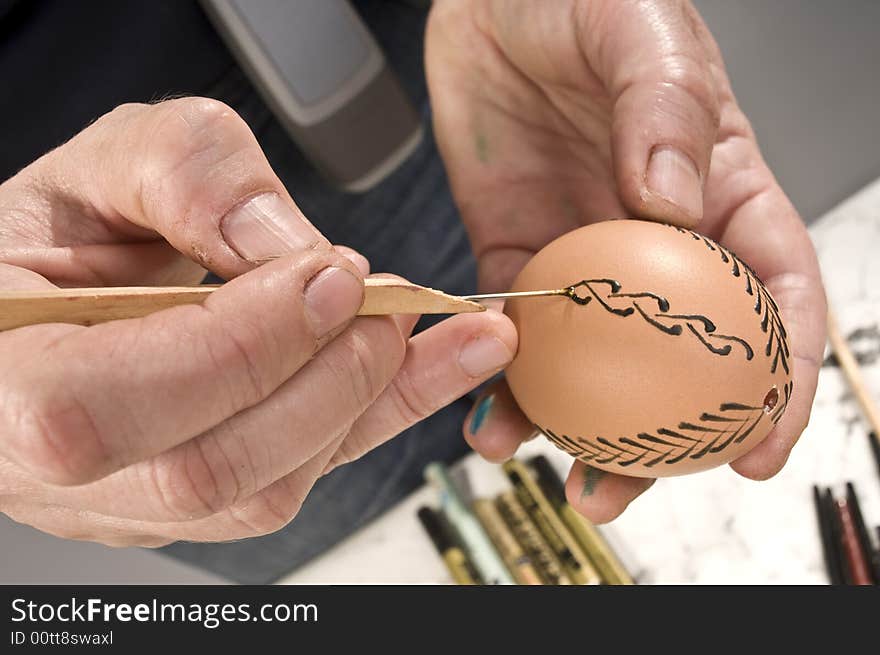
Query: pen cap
[
  {"x": 548, "y": 479},
  {"x": 435, "y": 528}
]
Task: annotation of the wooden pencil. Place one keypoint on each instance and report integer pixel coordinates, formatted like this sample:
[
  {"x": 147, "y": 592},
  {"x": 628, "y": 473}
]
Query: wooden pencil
[{"x": 853, "y": 374}]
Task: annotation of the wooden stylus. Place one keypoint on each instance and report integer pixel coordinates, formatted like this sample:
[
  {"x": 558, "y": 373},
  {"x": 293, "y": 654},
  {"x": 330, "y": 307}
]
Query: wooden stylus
[
  {"x": 850, "y": 368},
  {"x": 98, "y": 305}
]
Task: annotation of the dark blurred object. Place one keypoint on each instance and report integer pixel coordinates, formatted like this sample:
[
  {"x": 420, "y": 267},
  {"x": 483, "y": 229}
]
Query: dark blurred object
[
  {"x": 460, "y": 568},
  {"x": 839, "y": 573},
  {"x": 875, "y": 562},
  {"x": 875, "y": 448},
  {"x": 830, "y": 550},
  {"x": 864, "y": 537},
  {"x": 318, "y": 67},
  {"x": 63, "y": 64},
  {"x": 858, "y": 572}
]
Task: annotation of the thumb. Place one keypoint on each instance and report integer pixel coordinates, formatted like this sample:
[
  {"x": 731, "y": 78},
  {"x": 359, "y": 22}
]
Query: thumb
[
  {"x": 189, "y": 170},
  {"x": 655, "y": 61}
]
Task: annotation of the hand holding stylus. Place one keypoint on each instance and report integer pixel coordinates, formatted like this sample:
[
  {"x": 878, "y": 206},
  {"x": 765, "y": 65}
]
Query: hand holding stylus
[{"x": 201, "y": 422}]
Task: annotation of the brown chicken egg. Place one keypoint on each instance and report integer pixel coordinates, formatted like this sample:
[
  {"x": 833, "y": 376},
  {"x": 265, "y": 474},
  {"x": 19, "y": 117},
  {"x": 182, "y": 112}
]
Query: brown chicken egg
[{"x": 669, "y": 356}]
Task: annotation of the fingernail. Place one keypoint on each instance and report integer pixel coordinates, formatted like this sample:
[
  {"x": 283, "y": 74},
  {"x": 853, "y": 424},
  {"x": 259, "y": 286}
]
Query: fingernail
[
  {"x": 332, "y": 298},
  {"x": 266, "y": 227},
  {"x": 481, "y": 412},
  {"x": 484, "y": 355},
  {"x": 674, "y": 176}
]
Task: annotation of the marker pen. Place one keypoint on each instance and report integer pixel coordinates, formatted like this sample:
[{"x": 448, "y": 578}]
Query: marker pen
[
  {"x": 456, "y": 561},
  {"x": 478, "y": 546},
  {"x": 547, "y": 564},
  {"x": 610, "y": 568},
  {"x": 560, "y": 539},
  {"x": 516, "y": 559}
]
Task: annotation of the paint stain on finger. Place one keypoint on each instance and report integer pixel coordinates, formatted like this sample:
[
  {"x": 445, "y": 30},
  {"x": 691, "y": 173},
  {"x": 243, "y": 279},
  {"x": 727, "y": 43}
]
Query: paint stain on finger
[
  {"x": 481, "y": 413},
  {"x": 481, "y": 145},
  {"x": 591, "y": 479}
]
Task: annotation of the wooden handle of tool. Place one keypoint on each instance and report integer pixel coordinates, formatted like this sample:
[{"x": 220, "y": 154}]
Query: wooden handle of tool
[
  {"x": 89, "y": 306},
  {"x": 851, "y": 370}
]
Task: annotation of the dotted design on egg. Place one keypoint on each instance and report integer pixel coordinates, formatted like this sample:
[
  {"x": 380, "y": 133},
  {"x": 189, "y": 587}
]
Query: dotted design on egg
[
  {"x": 765, "y": 307},
  {"x": 714, "y": 431}
]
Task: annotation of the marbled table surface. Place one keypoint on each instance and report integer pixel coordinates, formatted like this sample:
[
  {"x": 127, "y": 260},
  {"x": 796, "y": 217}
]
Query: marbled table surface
[{"x": 714, "y": 527}]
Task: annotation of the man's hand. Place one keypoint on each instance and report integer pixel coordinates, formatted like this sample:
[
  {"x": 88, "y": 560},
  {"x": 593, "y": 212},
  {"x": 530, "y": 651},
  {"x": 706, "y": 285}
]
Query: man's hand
[
  {"x": 552, "y": 115},
  {"x": 202, "y": 423}
]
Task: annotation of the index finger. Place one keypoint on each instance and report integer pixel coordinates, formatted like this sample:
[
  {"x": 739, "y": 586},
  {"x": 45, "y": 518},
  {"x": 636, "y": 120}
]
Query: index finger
[{"x": 77, "y": 403}]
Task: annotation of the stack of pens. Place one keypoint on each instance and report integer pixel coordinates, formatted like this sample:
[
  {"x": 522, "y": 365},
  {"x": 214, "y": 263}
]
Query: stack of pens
[
  {"x": 850, "y": 556},
  {"x": 527, "y": 535}
]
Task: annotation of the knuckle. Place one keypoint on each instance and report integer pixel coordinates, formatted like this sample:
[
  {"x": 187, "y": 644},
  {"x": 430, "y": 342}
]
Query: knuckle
[
  {"x": 269, "y": 510},
  {"x": 695, "y": 81},
  {"x": 56, "y": 438},
  {"x": 195, "y": 480},
  {"x": 241, "y": 355},
  {"x": 363, "y": 361},
  {"x": 195, "y": 122},
  {"x": 188, "y": 132},
  {"x": 199, "y": 113},
  {"x": 353, "y": 446},
  {"x": 119, "y": 114},
  {"x": 411, "y": 401}
]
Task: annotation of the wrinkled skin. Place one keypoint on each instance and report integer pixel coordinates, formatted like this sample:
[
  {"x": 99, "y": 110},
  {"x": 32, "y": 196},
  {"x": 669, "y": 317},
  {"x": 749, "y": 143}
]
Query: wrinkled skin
[
  {"x": 198, "y": 423},
  {"x": 547, "y": 115}
]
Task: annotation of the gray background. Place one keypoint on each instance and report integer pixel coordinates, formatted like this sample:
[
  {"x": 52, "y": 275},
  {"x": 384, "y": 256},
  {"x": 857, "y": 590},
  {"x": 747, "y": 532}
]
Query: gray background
[{"x": 806, "y": 73}]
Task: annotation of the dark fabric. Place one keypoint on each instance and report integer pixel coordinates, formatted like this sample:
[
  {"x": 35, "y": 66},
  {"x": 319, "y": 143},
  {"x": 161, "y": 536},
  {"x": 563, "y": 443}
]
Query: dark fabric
[{"x": 63, "y": 64}]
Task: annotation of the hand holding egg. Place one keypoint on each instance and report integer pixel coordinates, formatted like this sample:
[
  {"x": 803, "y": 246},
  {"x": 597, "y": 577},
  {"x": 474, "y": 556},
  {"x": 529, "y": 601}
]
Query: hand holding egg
[{"x": 669, "y": 357}]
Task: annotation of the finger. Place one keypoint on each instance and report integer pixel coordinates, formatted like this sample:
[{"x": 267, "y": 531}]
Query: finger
[
  {"x": 666, "y": 111},
  {"x": 263, "y": 513},
  {"x": 258, "y": 446},
  {"x": 79, "y": 402},
  {"x": 442, "y": 364},
  {"x": 599, "y": 495},
  {"x": 254, "y": 448},
  {"x": 152, "y": 263},
  {"x": 767, "y": 231},
  {"x": 495, "y": 427},
  {"x": 356, "y": 258},
  {"x": 80, "y": 525},
  {"x": 189, "y": 170},
  {"x": 272, "y": 508}
]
